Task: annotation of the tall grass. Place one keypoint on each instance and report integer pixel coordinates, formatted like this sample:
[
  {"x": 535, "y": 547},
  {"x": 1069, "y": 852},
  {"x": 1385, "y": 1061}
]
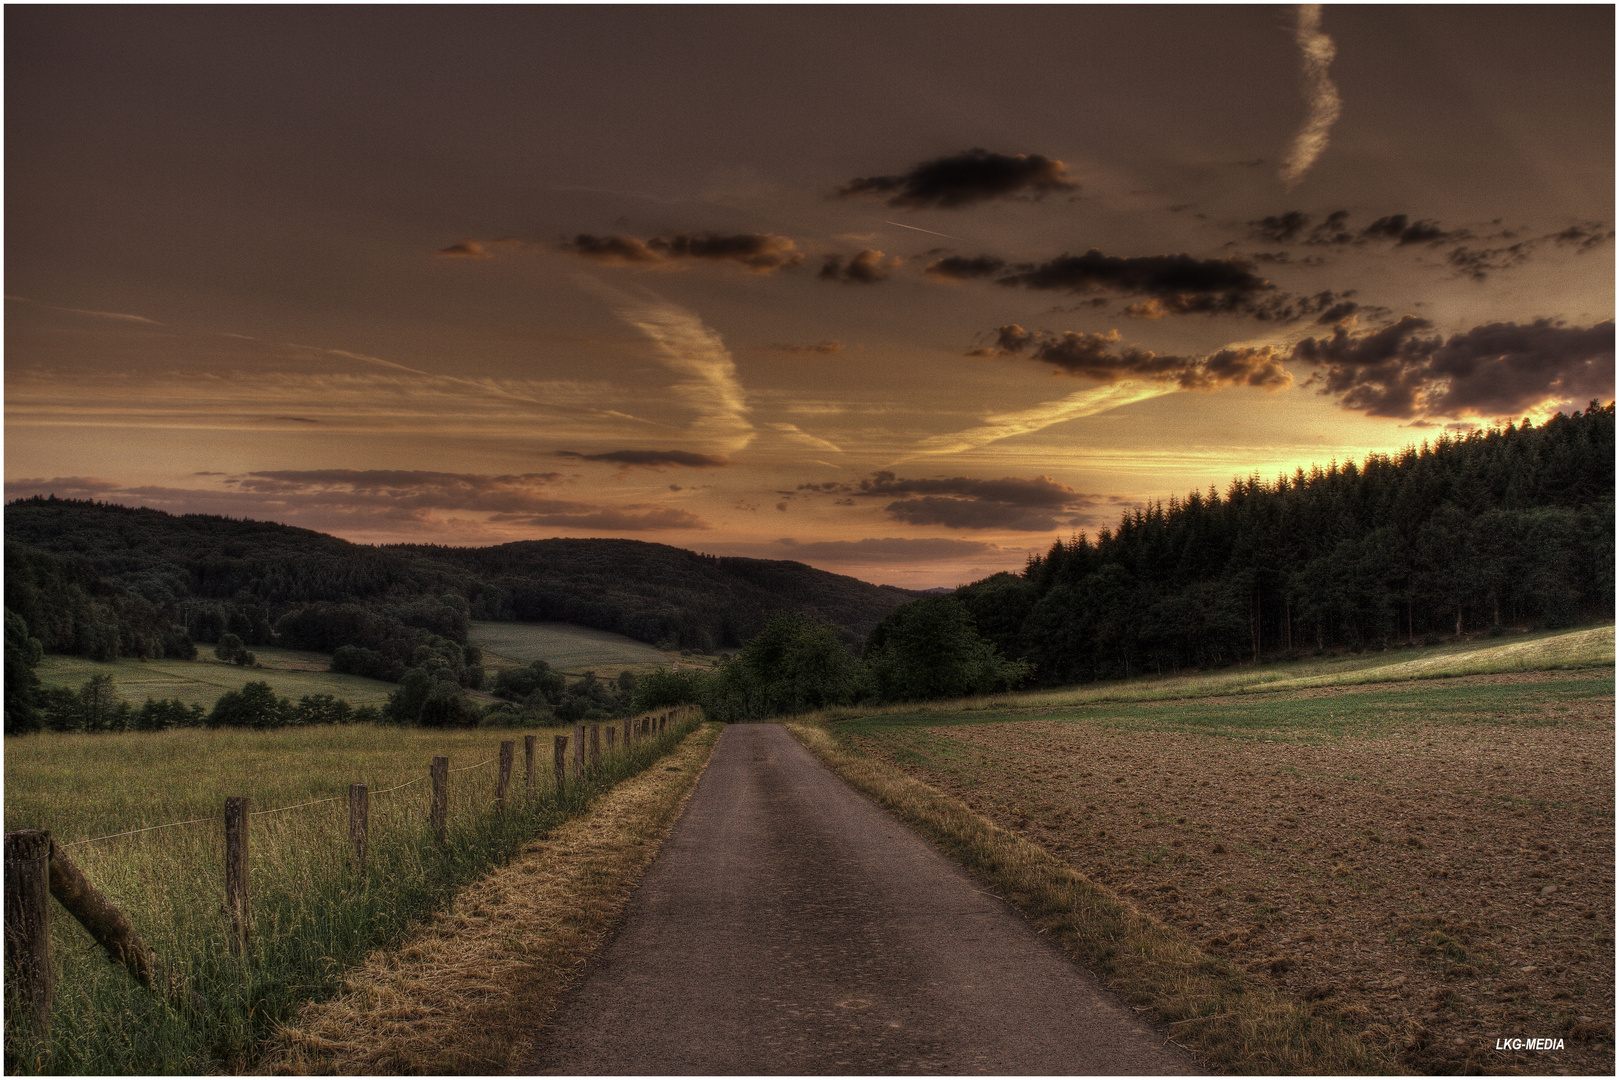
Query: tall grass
[{"x": 313, "y": 914}]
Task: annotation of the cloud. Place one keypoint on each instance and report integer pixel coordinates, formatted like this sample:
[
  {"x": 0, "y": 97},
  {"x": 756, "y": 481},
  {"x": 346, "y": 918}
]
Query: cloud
[
  {"x": 893, "y": 549},
  {"x": 759, "y": 252},
  {"x": 629, "y": 519},
  {"x": 651, "y": 459},
  {"x": 949, "y": 183},
  {"x": 1075, "y": 406},
  {"x": 1098, "y": 356},
  {"x": 866, "y": 268},
  {"x": 820, "y": 348},
  {"x": 961, "y": 268},
  {"x": 1495, "y": 370},
  {"x": 408, "y": 501},
  {"x": 1021, "y": 504},
  {"x": 118, "y": 315},
  {"x": 1317, "y": 52},
  {"x": 708, "y": 381},
  {"x": 464, "y": 249},
  {"x": 1180, "y": 284},
  {"x": 1401, "y": 230},
  {"x": 792, "y": 431}
]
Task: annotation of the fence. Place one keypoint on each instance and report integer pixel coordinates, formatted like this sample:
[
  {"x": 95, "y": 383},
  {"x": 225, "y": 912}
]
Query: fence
[{"x": 38, "y": 868}]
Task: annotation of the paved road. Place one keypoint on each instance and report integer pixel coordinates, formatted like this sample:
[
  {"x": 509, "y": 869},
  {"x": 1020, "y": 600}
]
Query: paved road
[{"x": 790, "y": 926}]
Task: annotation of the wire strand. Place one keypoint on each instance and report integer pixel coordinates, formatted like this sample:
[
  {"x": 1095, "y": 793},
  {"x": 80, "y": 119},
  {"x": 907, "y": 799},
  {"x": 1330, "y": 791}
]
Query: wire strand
[
  {"x": 480, "y": 765},
  {"x": 132, "y": 832},
  {"x": 295, "y": 806}
]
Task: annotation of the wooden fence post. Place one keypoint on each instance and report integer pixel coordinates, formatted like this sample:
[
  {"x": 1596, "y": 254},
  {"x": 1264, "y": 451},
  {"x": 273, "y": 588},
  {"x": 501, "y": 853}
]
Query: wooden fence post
[
  {"x": 612, "y": 738},
  {"x": 438, "y": 810},
  {"x": 359, "y": 823},
  {"x": 27, "y": 925},
  {"x": 528, "y": 763},
  {"x": 559, "y": 747},
  {"x": 579, "y": 752},
  {"x": 508, "y": 750},
  {"x": 238, "y": 904},
  {"x": 595, "y": 748},
  {"x": 627, "y": 723}
]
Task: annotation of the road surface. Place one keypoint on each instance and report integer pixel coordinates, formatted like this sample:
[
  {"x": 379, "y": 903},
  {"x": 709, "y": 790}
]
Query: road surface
[{"x": 791, "y": 926}]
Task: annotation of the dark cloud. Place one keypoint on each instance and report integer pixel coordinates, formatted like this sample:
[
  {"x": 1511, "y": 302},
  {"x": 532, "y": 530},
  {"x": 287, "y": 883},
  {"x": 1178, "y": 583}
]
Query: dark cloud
[
  {"x": 1281, "y": 228},
  {"x": 1180, "y": 284},
  {"x": 1480, "y": 263},
  {"x": 628, "y": 519},
  {"x": 393, "y": 499},
  {"x": 867, "y": 268},
  {"x": 1021, "y": 504},
  {"x": 1099, "y": 356},
  {"x": 1496, "y": 370},
  {"x": 1582, "y": 237},
  {"x": 820, "y": 348},
  {"x": 651, "y": 458},
  {"x": 960, "y": 268},
  {"x": 891, "y": 549},
  {"x": 963, "y": 179},
  {"x": 1404, "y": 232},
  {"x": 760, "y": 252}
]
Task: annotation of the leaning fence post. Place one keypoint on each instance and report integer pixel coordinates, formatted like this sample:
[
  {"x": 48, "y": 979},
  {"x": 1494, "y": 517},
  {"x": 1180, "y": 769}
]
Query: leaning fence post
[
  {"x": 359, "y": 823},
  {"x": 559, "y": 748},
  {"x": 627, "y": 723},
  {"x": 27, "y": 924},
  {"x": 438, "y": 809},
  {"x": 528, "y": 763},
  {"x": 508, "y": 750},
  {"x": 612, "y": 738},
  {"x": 595, "y": 748},
  {"x": 579, "y": 751},
  {"x": 237, "y": 902}
]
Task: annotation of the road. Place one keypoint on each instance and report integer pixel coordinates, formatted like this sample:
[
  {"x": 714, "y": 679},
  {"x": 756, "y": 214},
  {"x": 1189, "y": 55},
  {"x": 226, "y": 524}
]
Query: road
[{"x": 790, "y": 926}]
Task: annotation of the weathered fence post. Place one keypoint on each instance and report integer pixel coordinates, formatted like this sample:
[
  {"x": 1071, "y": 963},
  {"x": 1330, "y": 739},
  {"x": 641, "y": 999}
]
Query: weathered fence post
[
  {"x": 27, "y": 925},
  {"x": 595, "y": 748},
  {"x": 508, "y": 750},
  {"x": 559, "y": 747},
  {"x": 238, "y": 904},
  {"x": 612, "y": 738},
  {"x": 579, "y": 752},
  {"x": 627, "y": 724},
  {"x": 438, "y": 810},
  {"x": 113, "y": 932},
  {"x": 359, "y": 823},
  {"x": 528, "y": 763}
]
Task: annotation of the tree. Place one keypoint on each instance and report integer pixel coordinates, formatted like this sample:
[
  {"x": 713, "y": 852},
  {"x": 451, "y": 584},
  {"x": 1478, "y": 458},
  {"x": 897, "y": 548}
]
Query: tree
[
  {"x": 255, "y": 705},
  {"x": 930, "y": 649},
  {"x": 22, "y": 690},
  {"x": 793, "y": 665},
  {"x": 231, "y": 650}
]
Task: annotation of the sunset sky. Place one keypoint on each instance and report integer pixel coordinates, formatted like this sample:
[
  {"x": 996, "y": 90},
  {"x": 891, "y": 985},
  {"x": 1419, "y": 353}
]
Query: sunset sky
[{"x": 900, "y": 292}]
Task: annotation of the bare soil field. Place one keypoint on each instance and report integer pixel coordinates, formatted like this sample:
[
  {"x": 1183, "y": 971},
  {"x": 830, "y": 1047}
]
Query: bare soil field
[{"x": 1432, "y": 866}]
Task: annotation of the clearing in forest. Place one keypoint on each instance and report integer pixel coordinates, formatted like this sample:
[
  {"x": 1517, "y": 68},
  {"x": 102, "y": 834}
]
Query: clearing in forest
[{"x": 566, "y": 647}]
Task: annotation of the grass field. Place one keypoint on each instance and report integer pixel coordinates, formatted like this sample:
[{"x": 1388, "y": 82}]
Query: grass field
[
  {"x": 1425, "y": 862},
  {"x": 313, "y": 915},
  {"x": 568, "y": 648},
  {"x": 290, "y": 673}
]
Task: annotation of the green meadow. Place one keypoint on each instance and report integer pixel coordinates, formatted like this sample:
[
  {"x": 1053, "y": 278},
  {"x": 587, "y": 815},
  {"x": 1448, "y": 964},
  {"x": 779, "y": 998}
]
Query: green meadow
[
  {"x": 290, "y": 673},
  {"x": 568, "y": 648},
  {"x": 314, "y": 914}
]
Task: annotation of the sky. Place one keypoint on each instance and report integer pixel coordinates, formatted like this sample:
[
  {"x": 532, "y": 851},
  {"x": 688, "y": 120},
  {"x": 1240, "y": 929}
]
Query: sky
[{"x": 901, "y": 292}]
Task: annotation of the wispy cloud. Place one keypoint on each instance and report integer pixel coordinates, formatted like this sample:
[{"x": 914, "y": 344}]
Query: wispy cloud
[
  {"x": 1026, "y": 421},
  {"x": 693, "y": 351},
  {"x": 1311, "y": 139}
]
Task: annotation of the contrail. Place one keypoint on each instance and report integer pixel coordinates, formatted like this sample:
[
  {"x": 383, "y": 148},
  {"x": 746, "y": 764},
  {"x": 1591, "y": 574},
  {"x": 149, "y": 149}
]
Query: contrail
[
  {"x": 1318, "y": 51},
  {"x": 930, "y": 232},
  {"x": 1004, "y": 426}
]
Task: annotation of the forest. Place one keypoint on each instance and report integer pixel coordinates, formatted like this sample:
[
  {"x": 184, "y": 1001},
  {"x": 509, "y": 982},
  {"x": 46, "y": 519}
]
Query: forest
[{"x": 1509, "y": 526}]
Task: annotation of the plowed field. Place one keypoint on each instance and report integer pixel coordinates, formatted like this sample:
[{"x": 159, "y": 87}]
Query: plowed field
[{"x": 1430, "y": 864}]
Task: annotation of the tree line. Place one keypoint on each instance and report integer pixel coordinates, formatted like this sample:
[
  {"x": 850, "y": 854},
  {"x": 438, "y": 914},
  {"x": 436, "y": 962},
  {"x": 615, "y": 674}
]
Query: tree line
[{"x": 1512, "y": 526}]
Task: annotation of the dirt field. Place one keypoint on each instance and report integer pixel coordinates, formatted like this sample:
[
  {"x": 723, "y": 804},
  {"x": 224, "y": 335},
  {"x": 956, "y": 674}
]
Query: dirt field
[{"x": 1431, "y": 865}]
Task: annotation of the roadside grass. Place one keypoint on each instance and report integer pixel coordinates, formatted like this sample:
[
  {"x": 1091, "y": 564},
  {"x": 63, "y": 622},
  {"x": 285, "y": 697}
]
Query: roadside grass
[
  {"x": 313, "y": 915},
  {"x": 291, "y": 673},
  {"x": 470, "y": 992},
  {"x": 568, "y": 648},
  {"x": 1233, "y": 1022}
]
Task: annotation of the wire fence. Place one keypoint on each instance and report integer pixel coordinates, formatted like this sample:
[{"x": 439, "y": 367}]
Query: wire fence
[{"x": 565, "y": 787}]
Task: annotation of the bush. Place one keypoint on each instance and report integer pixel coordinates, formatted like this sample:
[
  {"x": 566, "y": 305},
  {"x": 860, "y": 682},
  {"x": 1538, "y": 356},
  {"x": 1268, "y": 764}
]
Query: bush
[
  {"x": 793, "y": 665},
  {"x": 521, "y": 684},
  {"x": 253, "y": 706}
]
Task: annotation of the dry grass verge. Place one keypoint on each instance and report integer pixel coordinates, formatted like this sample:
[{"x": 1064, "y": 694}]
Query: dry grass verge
[
  {"x": 1232, "y": 1022},
  {"x": 468, "y": 993}
]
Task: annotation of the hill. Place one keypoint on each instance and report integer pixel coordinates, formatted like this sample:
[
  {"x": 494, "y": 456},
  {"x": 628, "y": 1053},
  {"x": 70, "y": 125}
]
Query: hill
[{"x": 98, "y": 579}]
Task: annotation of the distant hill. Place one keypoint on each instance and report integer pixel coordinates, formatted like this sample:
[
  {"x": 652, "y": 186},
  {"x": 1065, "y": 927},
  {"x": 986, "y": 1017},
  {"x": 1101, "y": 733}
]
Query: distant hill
[{"x": 211, "y": 574}]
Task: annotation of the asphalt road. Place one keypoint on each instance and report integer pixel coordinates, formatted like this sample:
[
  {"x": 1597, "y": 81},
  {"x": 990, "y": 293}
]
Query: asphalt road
[{"x": 791, "y": 926}]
